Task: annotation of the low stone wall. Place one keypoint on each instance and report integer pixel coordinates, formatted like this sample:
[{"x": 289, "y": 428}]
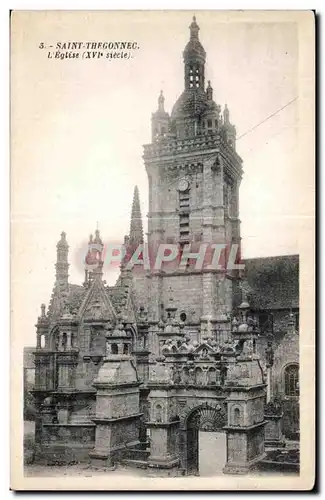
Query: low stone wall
[{"x": 65, "y": 444}]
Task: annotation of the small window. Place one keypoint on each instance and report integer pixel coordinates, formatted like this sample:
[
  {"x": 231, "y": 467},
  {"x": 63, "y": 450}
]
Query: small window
[
  {"x": 266, "y": 322},
  {"x": 64, "y": 340},
  {"x": 114, "y": 349},
  {"x": 125, "y": 349},
  {"x": 209, "y": 123},
  {"x": 236, "y": 416},
  {"x": 291, "y": 380},
  {"x": 158, "y": 413},
  {"x": 183, "y": 317}
]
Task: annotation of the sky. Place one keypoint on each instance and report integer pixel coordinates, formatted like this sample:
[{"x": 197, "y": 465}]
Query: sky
[{"x": 78, "y": 127}]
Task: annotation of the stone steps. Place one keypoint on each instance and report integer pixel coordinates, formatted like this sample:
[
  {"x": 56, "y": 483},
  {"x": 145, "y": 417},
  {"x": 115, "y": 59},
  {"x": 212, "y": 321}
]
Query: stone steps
[
  {"x": 139, "y": 464},
  {"x": 137, "y": 454}
]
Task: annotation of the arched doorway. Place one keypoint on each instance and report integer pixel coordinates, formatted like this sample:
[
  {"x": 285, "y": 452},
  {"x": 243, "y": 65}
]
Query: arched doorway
[{"x": 204, "y": 437}]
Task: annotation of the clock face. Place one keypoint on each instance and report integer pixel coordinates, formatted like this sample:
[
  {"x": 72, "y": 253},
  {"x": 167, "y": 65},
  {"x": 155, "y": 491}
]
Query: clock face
[{"x": 183, "y": 185}]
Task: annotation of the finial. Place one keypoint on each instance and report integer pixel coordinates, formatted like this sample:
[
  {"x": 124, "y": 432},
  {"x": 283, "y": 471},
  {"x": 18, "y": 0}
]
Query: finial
[
  {"x": 62, "y": 243},
  {"x": 98, "y": 239},
  {"x": 91, "y": 238},
  {"x": 136, "y": 229},
  {"x": 209, "y": 91},
  {"x": 226, "y": 114},
  {"x": 43, "y": 310},
  {"x": 194, "y": 29},
  {"x": 161, "y": 101}
]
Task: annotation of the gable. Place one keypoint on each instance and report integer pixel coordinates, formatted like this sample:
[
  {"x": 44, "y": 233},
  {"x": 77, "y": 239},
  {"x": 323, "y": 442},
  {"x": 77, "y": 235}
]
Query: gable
[{"x": 96, "y": 304}]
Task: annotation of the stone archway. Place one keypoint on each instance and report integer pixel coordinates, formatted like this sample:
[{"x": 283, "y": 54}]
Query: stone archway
[{"x": 208, "y": 417}]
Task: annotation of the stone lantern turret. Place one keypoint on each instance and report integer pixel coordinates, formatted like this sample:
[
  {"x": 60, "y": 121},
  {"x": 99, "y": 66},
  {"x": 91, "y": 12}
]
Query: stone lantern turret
[{"x": 117, "y": 403}]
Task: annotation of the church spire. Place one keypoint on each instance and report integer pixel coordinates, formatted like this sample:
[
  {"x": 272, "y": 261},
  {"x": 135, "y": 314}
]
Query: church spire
[
  {"x": 136, "y": 229},
  {"x": 62, "y": 265}
]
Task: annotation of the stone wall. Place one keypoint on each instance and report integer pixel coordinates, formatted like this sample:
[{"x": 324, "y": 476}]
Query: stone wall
[{"x": 286, "y": 352}]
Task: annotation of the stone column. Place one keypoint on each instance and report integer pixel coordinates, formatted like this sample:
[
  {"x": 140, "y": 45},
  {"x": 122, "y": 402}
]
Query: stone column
[
  {"x": 246, "y": 424},
  {"x": 66, "y": 362},
  {"x": 163, "y": 431},
  {"x": 118, "y": 414},
  {"x": 245, "y": 429}
]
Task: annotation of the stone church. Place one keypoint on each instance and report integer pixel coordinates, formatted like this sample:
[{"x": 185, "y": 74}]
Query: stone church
[{"x": 132, "y": 373}]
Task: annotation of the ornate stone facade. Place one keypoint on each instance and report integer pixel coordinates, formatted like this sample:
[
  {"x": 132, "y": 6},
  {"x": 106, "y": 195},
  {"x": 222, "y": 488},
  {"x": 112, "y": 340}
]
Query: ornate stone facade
[{"x": 169, "y": 351}]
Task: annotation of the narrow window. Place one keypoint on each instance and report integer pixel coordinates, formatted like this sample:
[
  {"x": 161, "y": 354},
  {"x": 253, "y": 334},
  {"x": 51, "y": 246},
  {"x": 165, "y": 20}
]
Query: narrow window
[
  {"x": 291, "y": 380},
  {"x": 236, "y": 416}
]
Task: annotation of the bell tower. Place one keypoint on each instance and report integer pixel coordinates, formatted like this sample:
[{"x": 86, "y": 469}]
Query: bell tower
[{"x": 194, "y": 175}]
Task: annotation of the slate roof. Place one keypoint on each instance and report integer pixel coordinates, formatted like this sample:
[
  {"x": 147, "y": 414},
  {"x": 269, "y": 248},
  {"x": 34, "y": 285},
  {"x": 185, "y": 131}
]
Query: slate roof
[
  {"x": 272, "y": 282},
  {"x": 117, "y": 295},
  {"x": 76, "y": 296}
]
